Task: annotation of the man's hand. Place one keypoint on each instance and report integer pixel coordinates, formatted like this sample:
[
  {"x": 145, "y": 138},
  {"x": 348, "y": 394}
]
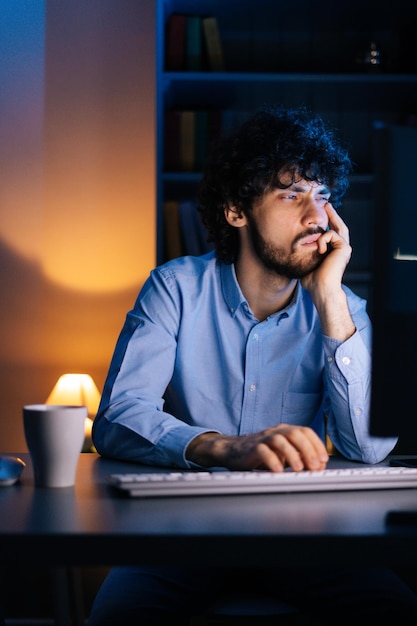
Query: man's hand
[
  {"x": 325, "y": 282},
  {"x": 298, "y": 447},
  {"x": 330, "y": 273}
]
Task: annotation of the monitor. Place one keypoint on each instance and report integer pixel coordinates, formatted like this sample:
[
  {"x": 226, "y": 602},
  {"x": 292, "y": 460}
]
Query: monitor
[{"x": 394, "y": 288}]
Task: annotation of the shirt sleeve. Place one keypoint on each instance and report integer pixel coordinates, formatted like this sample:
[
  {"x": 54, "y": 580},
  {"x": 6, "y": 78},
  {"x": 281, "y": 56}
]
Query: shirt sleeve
[
  {"x": 348, "y": 367},
  {"x": 131, "y": 423}
]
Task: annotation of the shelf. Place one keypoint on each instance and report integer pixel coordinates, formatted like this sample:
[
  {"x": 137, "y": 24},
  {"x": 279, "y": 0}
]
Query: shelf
[
  {"x": 341, "y": 91},
  {"x": 273, "y": 57},
  {"x": 266, "y": 77},
  {"x": 194, "y": 177}
]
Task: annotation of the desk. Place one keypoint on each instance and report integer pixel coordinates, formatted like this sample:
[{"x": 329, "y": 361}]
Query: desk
[{"x": 89, "y": 524}]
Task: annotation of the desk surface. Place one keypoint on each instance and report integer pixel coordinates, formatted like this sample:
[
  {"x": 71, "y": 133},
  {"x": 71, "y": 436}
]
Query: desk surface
[{"x": 90, "y": 524}]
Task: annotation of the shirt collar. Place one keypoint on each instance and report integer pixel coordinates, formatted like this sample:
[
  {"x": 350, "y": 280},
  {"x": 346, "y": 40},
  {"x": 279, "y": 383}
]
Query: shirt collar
[
  {"x": 234, "y": 297},
  {"x": 232, "y": 293}
]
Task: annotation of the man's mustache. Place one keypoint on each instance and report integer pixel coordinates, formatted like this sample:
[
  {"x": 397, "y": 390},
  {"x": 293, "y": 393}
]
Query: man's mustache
[{"x": 317, "y": 230}]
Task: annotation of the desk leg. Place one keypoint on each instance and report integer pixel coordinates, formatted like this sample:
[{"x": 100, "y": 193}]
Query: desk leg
[{"x": 68, "y": 601}]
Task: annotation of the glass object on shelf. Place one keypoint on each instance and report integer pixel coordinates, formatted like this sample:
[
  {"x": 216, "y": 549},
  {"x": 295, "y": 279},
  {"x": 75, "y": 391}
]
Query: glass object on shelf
[{"x": 370, "y": 59}]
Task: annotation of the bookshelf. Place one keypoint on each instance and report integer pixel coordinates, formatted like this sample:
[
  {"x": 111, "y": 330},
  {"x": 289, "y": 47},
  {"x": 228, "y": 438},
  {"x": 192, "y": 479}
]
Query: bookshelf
[{"x": 295, "y": 54}]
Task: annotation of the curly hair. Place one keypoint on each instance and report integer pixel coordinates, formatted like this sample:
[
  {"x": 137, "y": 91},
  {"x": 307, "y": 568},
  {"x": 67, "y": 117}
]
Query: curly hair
[{"x": 243, "y": 166}]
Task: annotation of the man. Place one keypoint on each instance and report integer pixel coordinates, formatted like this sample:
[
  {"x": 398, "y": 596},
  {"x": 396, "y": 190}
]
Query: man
[{"x": 234, "y": 358}]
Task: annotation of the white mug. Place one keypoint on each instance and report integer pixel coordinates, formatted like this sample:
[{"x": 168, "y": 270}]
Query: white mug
[{"x": 54, "y": 436}]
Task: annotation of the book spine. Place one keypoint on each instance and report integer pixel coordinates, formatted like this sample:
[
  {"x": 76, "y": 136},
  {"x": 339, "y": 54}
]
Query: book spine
[
  {"x": 172, "y": 230},
  {"x": 187, "y": 141},
  {"x": 193, "y": 44},
  {"x": 187, "y": 138},
  {"x": 212, "y": 44},
  {"x": 172, "y": 138},
  {"x": 175, "y": 47},
  {"x": 201, "y": 139}
]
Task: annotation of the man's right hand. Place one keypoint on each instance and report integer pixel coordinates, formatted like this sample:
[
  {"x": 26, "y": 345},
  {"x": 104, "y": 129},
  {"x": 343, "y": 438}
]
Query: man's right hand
[{"x": 298, "y": 447}]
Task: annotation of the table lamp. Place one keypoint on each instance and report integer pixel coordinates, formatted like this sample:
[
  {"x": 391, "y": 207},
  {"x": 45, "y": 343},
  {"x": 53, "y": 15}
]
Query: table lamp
[{"x": 78, "y": 389}]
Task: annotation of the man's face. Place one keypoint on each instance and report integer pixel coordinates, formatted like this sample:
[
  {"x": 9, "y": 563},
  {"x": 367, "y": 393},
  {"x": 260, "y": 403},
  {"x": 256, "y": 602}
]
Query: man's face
[{"x": 285, "y": 224}]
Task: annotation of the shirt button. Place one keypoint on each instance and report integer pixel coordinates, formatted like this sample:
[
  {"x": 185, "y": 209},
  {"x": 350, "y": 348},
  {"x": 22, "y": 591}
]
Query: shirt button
[
  {"x": 346, "y": 360},
  {"x": 330, "y": 359},
  {"x": 358, "y": 411},
  {"x": 252, "y": 387},
  {"x": 256, "y": 336}
]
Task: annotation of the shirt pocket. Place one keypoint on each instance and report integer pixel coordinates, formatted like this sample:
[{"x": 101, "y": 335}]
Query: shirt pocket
[{"x": 300, "y": 408}]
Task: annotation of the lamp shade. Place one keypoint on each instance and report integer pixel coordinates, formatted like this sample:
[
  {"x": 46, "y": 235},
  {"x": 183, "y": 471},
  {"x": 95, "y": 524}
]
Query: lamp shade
[{"x": 78, "y": 389}]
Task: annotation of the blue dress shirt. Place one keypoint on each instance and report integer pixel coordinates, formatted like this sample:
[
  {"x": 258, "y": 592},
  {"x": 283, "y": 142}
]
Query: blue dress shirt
[{"x": 192, "y": 358}]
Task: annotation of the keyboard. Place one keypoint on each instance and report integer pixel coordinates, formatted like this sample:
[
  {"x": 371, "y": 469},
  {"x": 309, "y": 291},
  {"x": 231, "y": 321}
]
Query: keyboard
[{"x": 205, "y": 483}]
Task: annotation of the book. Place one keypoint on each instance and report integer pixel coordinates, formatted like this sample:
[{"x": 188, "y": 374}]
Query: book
[
  {"x": 193, "y": 43},
  {"x": 207, "y": 129},
  {"x": 187, "y": 141},
  {"x": 214, "y": 125},
  {"x": 172, "y": 232},
  {"x": 175, "y": 43},
  {"x": 212, "y": 44},
  {"x": 172, "y": 136},
  {"x": 200, "y": 139},
  {"x": 193, "y": 233},
  {"x": 187, "y": 138}
]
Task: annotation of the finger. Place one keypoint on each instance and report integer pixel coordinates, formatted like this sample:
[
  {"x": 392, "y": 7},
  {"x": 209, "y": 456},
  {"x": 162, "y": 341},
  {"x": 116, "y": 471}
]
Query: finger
[
  {"x": 335, "y": 241},
  {"x": 330, "y": 237},
  {"x": 310, "y": 448},
  {"x": 336, "y": 223},
  {"x": 268, "y": 459},
  {"x": 251, "y": 452},
  {"x": 287, "y": 453}
]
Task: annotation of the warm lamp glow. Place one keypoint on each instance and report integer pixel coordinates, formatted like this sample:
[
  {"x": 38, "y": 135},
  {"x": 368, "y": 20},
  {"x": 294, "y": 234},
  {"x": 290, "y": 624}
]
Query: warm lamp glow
[{"x": 78, "y": 389}]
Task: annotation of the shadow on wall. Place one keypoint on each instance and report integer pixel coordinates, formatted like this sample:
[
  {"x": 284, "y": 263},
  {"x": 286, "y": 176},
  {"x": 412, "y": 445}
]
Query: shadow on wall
[{"x": 46, "y": 331}]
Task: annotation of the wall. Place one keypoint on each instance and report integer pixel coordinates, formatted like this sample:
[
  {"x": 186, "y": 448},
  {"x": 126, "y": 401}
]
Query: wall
[{"x": 77, "y": 189}]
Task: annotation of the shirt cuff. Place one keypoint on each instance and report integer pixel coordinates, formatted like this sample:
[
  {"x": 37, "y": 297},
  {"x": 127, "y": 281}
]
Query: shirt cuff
[
  {"x": 348, "y": 359},
  {"x": 173, "y": 444}
]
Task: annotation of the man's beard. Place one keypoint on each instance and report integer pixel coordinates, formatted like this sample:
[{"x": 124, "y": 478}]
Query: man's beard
[{"x": 281, "y": 262}]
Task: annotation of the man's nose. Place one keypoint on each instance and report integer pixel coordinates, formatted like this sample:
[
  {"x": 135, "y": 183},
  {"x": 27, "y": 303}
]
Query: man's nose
[{"x": 315, "y": 212}]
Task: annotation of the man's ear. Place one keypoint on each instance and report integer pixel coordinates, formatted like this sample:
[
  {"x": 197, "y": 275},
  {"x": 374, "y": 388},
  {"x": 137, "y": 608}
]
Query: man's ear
[{"x": 234, "y": 216}]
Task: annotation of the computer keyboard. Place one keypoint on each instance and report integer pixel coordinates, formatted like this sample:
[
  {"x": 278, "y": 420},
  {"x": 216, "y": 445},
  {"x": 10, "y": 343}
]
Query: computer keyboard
[{"x": 204, "y": 483}]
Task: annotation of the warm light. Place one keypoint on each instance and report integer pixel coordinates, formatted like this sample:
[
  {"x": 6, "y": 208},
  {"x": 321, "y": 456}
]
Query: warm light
[{"x": 78, "y": 389}]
